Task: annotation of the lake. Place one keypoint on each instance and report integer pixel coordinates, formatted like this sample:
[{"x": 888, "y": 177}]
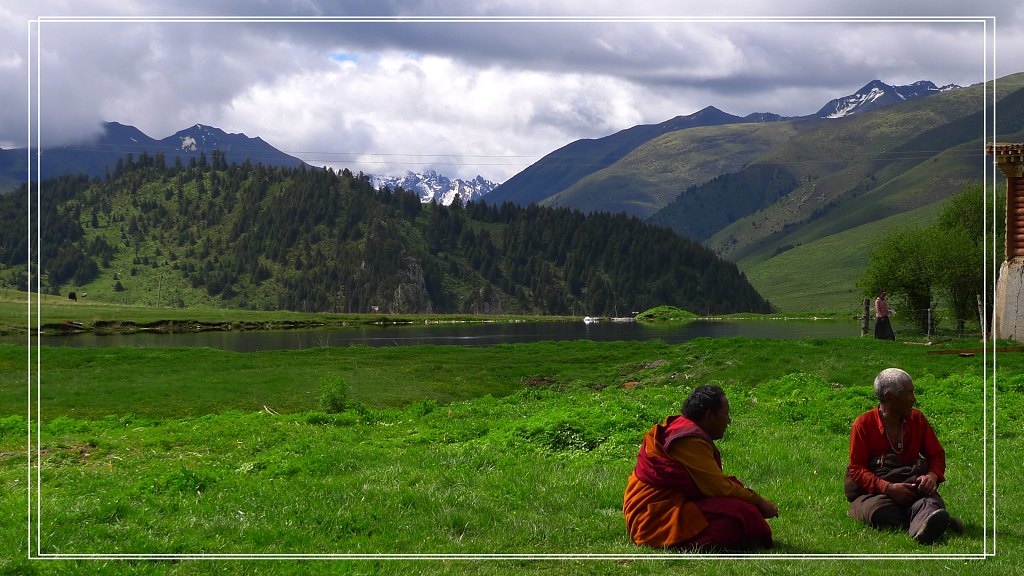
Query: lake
[{"x": 467, "y": 334}]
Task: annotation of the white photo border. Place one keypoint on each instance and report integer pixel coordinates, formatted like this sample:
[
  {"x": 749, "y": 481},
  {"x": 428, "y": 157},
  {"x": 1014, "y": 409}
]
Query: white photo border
[{"x": 34, "y": 124}]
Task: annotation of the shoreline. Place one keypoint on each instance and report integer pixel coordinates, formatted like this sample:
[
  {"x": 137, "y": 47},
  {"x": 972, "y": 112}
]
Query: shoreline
[
  {"x": 188, "y": 326},
  {"x": 57, "y": 317}
]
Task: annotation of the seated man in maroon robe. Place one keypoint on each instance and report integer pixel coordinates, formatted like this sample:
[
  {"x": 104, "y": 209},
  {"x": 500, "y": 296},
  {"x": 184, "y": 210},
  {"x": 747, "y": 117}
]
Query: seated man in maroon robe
[{"x": 678, "y": 495}]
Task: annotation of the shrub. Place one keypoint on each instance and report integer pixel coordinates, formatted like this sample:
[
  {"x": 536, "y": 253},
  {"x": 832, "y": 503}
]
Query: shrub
[
  {"x": 423, "y": 407},
  {"x": 333, "y": 395},
  {"x": 13, "y": 426}
]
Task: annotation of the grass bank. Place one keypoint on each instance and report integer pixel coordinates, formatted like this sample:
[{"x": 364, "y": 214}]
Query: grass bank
[
  {"x": 58, "y": 314},
  {"x": 518, "y": 449}
]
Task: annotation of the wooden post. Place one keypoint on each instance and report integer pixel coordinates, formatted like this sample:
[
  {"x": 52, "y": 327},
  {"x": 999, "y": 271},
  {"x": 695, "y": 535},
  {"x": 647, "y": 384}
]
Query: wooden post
[
  {"x": 981, "y": 317},
  {"x": 865, "y": 319}
]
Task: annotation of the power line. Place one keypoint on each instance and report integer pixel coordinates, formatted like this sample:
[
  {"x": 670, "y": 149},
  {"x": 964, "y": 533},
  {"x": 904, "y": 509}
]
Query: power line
[{"x": 566, "y": 160}]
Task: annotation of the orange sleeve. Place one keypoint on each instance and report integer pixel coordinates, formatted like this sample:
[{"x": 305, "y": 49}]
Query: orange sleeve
[{"x": 699, "y": 458}]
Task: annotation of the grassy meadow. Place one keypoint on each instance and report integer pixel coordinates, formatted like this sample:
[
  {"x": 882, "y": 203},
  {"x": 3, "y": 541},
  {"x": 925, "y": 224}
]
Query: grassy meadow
[{"x": 433, "y": 450}]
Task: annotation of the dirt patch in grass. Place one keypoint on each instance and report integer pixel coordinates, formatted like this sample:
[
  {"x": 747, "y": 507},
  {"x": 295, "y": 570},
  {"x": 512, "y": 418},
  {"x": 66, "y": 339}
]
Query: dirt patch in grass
[{"x": 539, "y": 381}]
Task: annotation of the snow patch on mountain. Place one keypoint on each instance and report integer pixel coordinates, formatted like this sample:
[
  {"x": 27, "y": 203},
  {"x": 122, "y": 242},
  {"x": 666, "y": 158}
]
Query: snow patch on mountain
[
  {"x": 851, "y": 104},
  {"x": 433, "y": 186},
  {"x": 200, "y": 137}
]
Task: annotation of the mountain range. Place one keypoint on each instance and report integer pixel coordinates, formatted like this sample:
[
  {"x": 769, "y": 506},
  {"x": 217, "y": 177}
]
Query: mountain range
[
  {"x": 582, "y": 174},
  {"x": 796, "y": 202},
  {"x": 562, "y": 168},
  {"x": 431, "y": 186},
  {"x": 97, "y": 156},
  {"x": 556, "y": 179}
]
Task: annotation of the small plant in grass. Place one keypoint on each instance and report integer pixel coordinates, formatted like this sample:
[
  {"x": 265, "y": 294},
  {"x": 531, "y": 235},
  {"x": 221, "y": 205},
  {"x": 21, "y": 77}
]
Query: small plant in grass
[
  {"x": 424, "y": 407},
  {"x": 333, "y": 395},
  {"x": 184, "y": 480}
]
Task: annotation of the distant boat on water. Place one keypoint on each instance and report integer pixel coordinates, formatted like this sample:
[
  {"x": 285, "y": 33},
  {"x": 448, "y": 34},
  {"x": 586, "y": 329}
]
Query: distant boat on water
[{"x": 596, "y": 319}]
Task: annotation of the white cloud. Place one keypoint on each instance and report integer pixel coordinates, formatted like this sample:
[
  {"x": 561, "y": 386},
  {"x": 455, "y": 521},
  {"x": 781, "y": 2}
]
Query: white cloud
[
  {"x": 392, "y": 112},
  {"x": 463, "y": 98}
]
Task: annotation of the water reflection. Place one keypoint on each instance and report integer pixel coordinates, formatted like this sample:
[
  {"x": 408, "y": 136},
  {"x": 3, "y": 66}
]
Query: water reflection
[{"x": 483, "y": 334}]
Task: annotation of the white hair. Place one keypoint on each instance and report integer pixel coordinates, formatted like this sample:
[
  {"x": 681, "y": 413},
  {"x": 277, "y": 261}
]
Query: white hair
[{"x": 891, "y": 381}]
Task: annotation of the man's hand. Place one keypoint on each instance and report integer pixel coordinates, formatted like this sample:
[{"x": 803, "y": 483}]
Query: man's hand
[
  {"x": 927, "y": 484},
  {"x": 767, "y": 508},
  {"x": 902, "y": 493}
]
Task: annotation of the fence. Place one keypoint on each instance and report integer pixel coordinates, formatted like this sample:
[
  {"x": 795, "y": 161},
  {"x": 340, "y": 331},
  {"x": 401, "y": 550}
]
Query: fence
[{"x": 933, "y": 318}]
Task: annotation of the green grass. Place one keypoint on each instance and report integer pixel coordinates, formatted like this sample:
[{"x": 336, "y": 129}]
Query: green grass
[
  {"x": 93, "y": 383},
  {"x": 529, "y": 456}
]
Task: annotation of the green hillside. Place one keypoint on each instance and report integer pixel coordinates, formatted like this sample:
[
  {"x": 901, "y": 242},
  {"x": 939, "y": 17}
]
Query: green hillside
[
  {"x": 812, "y": 265},
  {"x": 922, "y": 187},
  {"x": 565, "y": 166},
  {"x": 819, "y": 276},
  {"x": 881, "y": 175},
  {"x": 651, "y": 176},
  {"x": 251, "y": 237},
  {"x": 767, "y": 195},
  {"x": 832, "y": 163}
]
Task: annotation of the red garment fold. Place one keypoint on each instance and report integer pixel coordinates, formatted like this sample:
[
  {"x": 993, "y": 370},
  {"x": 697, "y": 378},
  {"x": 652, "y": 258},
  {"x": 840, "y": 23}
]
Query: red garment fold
[{"x": 655, "y": 467}]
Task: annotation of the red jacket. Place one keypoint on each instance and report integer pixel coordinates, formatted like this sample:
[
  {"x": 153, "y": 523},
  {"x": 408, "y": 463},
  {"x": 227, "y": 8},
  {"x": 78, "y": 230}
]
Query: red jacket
[{"x": 868, "y": 441}]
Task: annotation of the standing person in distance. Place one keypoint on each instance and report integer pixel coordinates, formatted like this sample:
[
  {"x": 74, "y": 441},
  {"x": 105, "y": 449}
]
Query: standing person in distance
[{"x": 883, "y": 327}]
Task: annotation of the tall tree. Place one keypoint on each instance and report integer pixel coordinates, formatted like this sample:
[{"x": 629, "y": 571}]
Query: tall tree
[
  {"x": 945, "y": 259},
  {"x": 902, "y": 264}
]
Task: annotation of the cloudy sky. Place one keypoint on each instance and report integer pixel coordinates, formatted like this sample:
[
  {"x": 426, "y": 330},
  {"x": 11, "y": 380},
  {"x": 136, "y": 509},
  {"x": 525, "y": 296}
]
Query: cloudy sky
[{"x": 488, "y": 91}]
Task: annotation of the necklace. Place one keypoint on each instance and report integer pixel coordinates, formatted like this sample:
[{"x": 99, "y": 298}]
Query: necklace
[{"x": 897, "y": 448}]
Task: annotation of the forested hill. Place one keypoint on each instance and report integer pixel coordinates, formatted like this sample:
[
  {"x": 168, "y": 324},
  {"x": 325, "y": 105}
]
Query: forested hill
[{"x": 250, "y": 236}]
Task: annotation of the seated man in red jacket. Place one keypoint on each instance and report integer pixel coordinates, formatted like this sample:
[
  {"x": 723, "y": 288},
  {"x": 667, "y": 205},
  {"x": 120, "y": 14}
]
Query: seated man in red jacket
[
  {"x": 678, "y": 495},
  {"x": 897, "y": 463}
]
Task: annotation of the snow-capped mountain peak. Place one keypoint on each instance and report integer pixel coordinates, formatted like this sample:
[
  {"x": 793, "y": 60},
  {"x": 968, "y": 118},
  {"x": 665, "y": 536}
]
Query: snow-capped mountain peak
[
  {"x": 433, "y": 186},
  {"x": 877, "y": 94}
]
